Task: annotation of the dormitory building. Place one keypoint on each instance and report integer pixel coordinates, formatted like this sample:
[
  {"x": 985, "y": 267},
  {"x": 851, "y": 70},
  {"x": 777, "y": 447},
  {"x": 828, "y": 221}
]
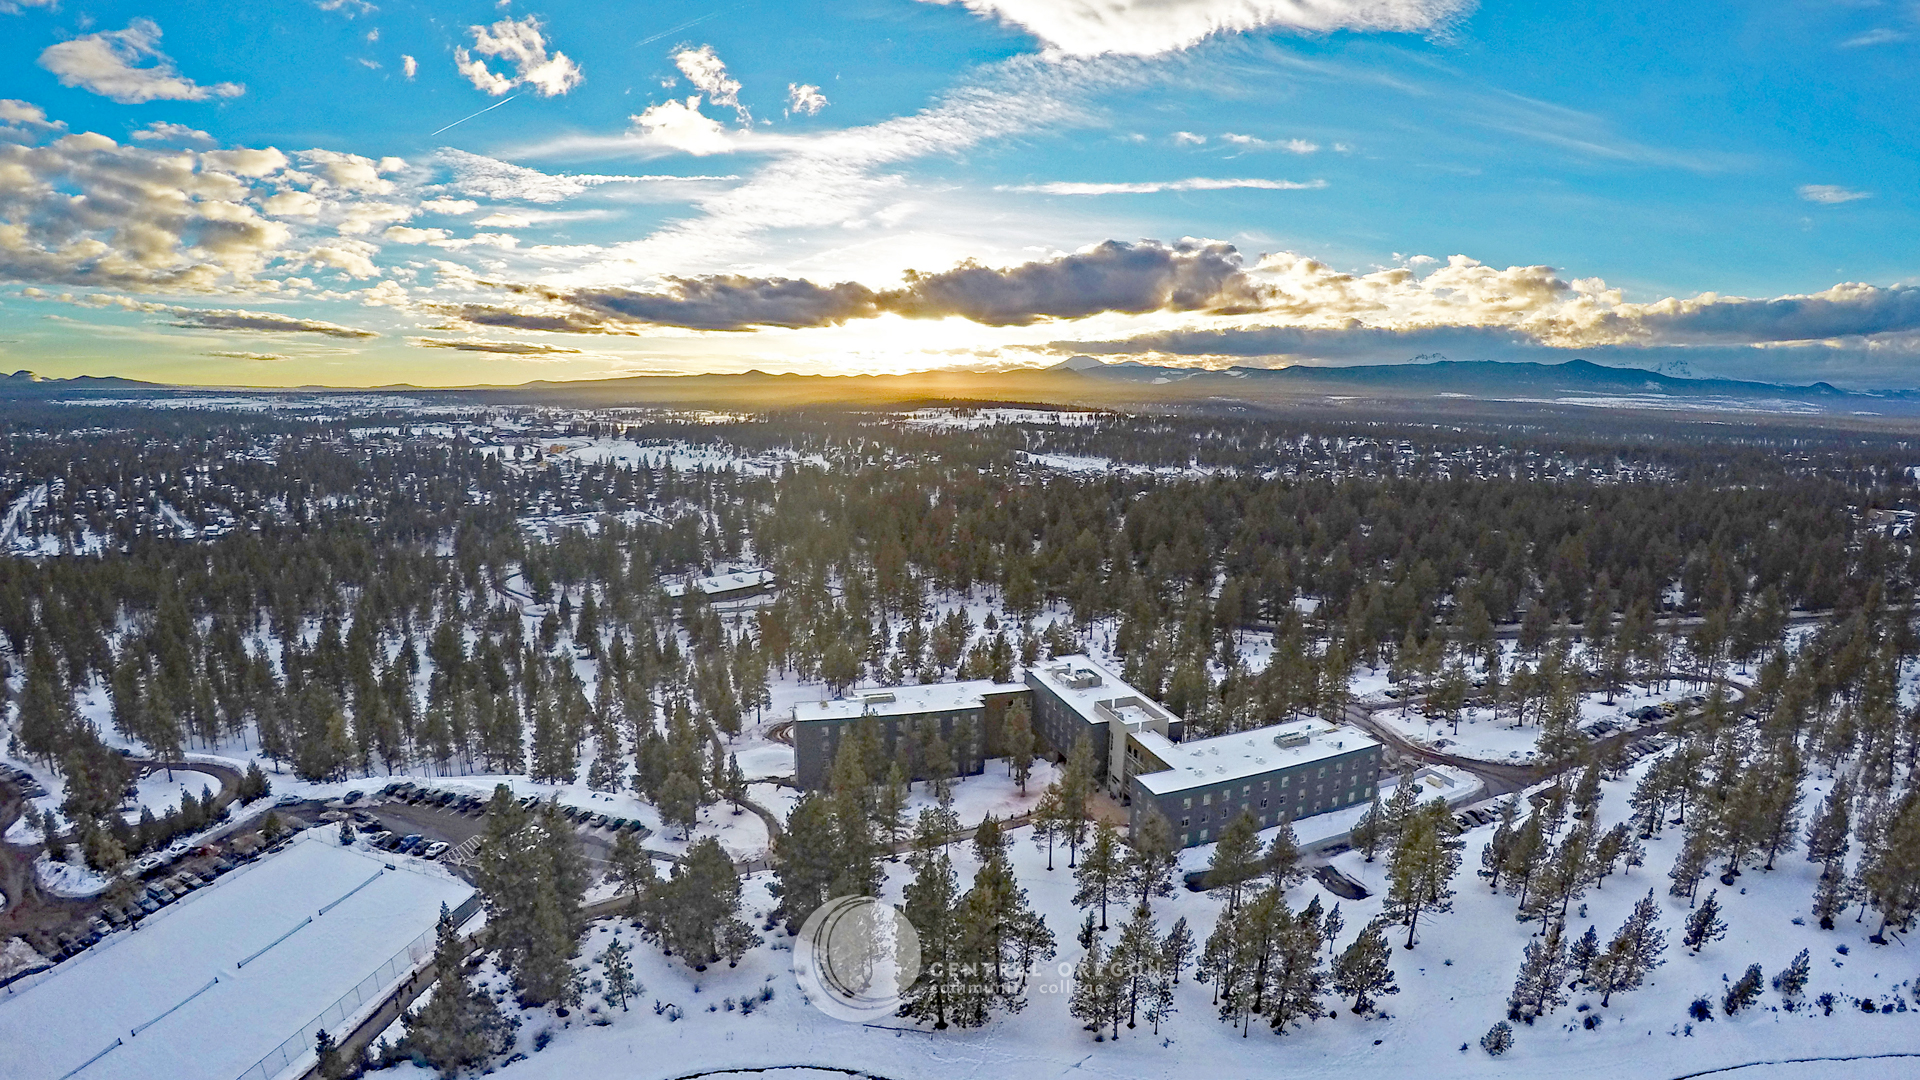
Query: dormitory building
[{"x": 1282, "y": 771}]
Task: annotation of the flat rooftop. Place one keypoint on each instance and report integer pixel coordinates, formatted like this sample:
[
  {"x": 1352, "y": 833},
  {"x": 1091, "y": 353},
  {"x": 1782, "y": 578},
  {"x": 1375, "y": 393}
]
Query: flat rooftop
[
  {"x": 1083, "y": 682},
  {"x": 905, "y": 700},
  {"x": 1226, "y": 758}
]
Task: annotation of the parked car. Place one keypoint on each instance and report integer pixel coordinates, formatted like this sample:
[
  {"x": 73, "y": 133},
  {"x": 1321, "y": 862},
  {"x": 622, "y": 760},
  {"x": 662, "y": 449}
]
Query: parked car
[
  {"x": 352, "y": 797},
  {"x": 437, "y": 849}
]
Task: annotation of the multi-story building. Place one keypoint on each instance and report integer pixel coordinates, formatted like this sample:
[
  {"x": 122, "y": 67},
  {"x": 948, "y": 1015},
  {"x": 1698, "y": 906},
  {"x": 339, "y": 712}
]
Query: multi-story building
[
  {"x": 960, "y": 711},
  {"x": 1282, "y": 772},
  {"x": 1074, "y": 697}
]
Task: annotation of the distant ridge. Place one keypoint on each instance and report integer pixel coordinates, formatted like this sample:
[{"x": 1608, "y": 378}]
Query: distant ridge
[{"x": 1086, "y": 381}]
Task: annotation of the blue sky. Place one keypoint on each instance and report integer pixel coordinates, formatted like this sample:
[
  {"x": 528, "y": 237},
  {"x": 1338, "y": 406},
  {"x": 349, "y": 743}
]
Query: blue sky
[{"x": 262, "y": 193}]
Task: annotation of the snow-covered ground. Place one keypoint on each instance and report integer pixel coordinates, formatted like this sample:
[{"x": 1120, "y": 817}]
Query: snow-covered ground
[
  {"x": 1454, "y": 985},
  {"x": 133, "y": 978},
  {"x": 159, "y": 794}
]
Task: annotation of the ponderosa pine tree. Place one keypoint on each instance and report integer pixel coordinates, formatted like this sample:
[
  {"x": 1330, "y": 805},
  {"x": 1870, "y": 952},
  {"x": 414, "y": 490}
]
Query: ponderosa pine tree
[
  {"x": 1151, "y": 857},
  {"x": 1540, "y": 986},
  {"x": 617, "y": 974},
  {"x": 1705, "y": 924},
  {"x": 1633, "y": 952},
  {"x": 1365, "y": 970},
  {"x": 1102, "y": 874},
  {"x": 1828, "y": 837},
  {"x": 1425, "y": 858},
  {"x": 1235, "y": 861},
  {"x": 459, "y": 1027},
  {"x": 1177, "y": 948}
]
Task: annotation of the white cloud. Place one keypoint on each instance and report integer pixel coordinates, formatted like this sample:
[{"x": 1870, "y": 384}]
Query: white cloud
[
  {"x": 1151, "y": 27},
  {"x": 15, "y": 111},
  {"x": 1831, "y": 194},
  {"x": 84, "y": 210},
  {"x": 15, "y": 7},
  {"x": 162, "y": 131},
  {"x": 353, "y": 257},
  {"x": 490, "y": 178},
  {"x": 804, "y": 99},
  {"x": 1198, "y": 183},
  {"x": 1291, "y": 146},
  {"x": 261, "y": 356},
  {"x": 408, "y": 65},
  {"x": 402, "y": 234},
  {"x": 1188, "y": 138},
  {"x": 107, "y": 63},
  {"x": 351, "y": 172},
  {"x": 703, "y": 69},
  {"x": 522, "y": 45},
  {"x": 680, "y": 125},
  {"x": 1881, "y": 36},
  {"x": 450, "y": 206},
  {"x": 297, "y": 204}
]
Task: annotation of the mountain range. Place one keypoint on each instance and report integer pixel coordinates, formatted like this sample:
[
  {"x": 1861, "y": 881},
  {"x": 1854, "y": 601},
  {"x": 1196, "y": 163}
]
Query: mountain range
[{"x": 1087, "y": 381}]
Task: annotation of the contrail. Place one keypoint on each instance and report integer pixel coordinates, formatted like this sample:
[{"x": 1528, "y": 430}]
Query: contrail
[
  {"x": 488, "y": 109},
  {"x": 675, "y": 30}
]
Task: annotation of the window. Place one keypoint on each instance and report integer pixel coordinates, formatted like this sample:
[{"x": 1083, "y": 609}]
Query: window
[
  {"x": 1207, "y": 799},
  {"x": 1263, "y": 806},
  {"x": 1186, "y": 804},
  {"x": 1186, "y": 839},
  {"x": 1323, "y": 770},
  {"x": 1285, "y": 780},
  {"x": 1185, "y": 821},
  {"x": 1368, "y": 792},
  {"x": 1246, "y": 790},
  {"x": 1203, "y": 836},
  {"x": 1266, "y": 785}
]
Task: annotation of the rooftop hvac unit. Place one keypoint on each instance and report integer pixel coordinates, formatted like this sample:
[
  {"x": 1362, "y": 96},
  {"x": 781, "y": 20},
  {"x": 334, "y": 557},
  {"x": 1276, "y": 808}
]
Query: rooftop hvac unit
[
  {"x": 1292, "y": 739},
  {"x": 1082, "y": 679},
  {"x": 877, "y": 699}
]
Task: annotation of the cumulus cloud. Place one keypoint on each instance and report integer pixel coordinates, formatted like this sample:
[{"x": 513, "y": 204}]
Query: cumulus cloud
[
  {"x": 162, "y": 131},
  {"x": 805, "y": 99},
  {"x": 84, "y": 210},
  {"x": 680, "y": 125},
  {"x": 1831, "y": 194},
  {"x": 1151, "y": 27},
  {"x": 351, "y": 172},
  {"x": 505, "y": 348},
  {"x": 128, "y": 67},
  {"x": 1198, "y": 183},
  {"x": 703, "y": 69},
  {"x": 271, "y": 322},
  {"x": 522, "y": 45},
  {"x": 409, "y": 66}
]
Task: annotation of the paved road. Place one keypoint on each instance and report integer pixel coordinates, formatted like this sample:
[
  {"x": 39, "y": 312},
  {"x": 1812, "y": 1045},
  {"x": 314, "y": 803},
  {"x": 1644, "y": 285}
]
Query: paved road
[
  {"x": 30, "y": 910},
  {"x": 1500, "y": 778}
]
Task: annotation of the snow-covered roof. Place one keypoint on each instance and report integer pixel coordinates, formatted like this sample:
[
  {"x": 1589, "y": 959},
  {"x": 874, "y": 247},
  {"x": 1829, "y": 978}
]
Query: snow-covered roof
[
  {"x": 1082, "y": 683},
  {"x": 1226, "y": 758},
  {"x": 905, "y": 700},
  {"x": 722, "y": 583}
]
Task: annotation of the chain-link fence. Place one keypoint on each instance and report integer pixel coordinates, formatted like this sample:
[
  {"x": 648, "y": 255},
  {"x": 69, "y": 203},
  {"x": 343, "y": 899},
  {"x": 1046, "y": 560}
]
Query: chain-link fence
[{"x": 299, "y": 1047}]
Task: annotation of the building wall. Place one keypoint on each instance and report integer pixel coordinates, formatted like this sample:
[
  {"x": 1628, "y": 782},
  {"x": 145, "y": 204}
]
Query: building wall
[
  {"x": 817, "y": 742},
  {"x": 1199, "y": 812},
  {"x": 1058, "y": 725}
]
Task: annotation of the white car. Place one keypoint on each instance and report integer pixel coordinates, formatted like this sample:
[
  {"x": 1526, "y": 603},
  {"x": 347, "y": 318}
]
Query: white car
[{"x": 436, "y": 849}]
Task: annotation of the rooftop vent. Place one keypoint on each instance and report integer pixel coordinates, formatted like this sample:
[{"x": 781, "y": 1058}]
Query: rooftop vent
[
  {"x": 1082, "y": 679},
  {"x": 882, "y": 698},
  {"x": 1291, "y": 739}
]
